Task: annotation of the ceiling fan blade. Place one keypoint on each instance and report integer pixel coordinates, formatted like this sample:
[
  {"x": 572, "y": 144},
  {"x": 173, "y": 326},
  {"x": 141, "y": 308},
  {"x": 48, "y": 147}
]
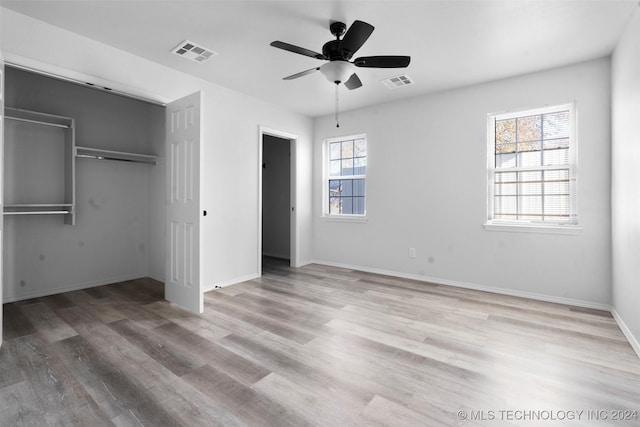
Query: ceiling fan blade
[
  {"x": 353, "y": 82},
  {"x": 301, "y": 73},
  {"x": 382, "y": 61},
  {"x": 354, "y": 38},
  {"x": 297, "y": 49}
]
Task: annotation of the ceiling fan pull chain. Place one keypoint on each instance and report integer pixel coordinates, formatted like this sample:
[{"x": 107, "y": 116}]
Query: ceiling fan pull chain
[{"x": 337, "y": 107}]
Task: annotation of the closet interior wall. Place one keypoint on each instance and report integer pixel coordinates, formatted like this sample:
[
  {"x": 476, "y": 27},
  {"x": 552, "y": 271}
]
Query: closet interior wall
[{"x": 118, "y": 204}]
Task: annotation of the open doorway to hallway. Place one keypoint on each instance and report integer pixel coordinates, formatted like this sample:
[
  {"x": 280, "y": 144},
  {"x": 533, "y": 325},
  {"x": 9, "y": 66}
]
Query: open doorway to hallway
[{"x": 277, "y": 199}]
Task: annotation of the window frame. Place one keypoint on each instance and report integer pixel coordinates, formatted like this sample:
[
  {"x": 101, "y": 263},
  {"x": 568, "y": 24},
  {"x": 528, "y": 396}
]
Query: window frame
[
  {"x": 528, "y": 225},
  {"x": 326, "y": 177}
]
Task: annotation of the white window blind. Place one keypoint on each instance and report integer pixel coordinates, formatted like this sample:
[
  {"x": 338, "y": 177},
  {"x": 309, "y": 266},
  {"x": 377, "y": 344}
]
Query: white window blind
[{"x": 532, "y": 165}]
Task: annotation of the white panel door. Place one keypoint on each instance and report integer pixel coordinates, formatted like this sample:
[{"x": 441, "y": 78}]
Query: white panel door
[
  {"x": 182, "y": 267},
  {"x": 1, "y": 183}
]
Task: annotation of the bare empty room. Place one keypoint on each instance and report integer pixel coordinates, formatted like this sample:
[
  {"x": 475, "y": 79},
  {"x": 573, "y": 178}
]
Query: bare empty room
[{"x": 324, "y": 213}]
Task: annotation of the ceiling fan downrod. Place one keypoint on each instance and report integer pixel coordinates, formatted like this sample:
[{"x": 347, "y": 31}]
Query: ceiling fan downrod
[{"x": 337, "y": 105}]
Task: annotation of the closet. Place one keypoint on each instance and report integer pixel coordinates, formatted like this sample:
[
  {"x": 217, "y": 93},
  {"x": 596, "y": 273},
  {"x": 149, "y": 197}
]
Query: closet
[{"x": 83, "y": 187}]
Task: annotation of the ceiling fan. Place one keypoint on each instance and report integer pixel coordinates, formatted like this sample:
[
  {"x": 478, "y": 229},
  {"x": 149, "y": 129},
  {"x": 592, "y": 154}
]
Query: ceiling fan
[{"x": 340, "y": 68}]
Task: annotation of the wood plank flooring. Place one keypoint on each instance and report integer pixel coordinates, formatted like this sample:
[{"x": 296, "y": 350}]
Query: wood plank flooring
[{"x": 316, "y": 346}]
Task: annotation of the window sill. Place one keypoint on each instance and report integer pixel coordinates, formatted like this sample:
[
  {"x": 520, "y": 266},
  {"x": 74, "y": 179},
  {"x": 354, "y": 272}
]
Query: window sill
[
  {"x": 533, "y": 228},
  {"x": 344, "y": 218}
]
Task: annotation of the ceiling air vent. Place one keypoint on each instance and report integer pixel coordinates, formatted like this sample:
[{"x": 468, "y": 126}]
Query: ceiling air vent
[
  {"x": 194, "y": 51},
  {"x": 398, "y": 81}
]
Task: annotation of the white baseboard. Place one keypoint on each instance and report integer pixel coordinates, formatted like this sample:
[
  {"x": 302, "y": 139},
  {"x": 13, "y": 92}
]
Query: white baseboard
[
  {"x": 230, "y": 282},
  {"x": 635, "y": 344},
  {"x": 475, "y": 286},
  {"x": 75, "y": 287},
  {"x": 303, "y": 263},
  {"x": 157, "y": 277}
]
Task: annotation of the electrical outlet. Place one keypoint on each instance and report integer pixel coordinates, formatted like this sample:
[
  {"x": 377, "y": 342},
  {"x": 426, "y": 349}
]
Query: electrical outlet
[{"x": 412, "y": 252}]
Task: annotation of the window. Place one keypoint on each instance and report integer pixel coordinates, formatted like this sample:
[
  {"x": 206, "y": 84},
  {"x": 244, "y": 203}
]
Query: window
[
  {"x": 532, "y": 159},
  {"x": 345, "y": 175}
]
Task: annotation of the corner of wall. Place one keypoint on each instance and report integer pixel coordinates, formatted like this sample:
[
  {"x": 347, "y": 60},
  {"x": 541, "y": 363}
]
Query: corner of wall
[{"x": 625, "y": 179}]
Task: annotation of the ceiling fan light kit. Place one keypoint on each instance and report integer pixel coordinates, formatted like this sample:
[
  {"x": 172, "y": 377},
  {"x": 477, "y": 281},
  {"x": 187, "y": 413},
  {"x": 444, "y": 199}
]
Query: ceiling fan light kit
[
  {"x": 337, "y": 71},
  {"x": 340, "y": 68}
]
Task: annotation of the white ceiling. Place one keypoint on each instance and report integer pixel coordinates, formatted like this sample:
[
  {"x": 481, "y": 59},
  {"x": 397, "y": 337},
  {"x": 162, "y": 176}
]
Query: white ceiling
[{"x": 451, "y": 43}]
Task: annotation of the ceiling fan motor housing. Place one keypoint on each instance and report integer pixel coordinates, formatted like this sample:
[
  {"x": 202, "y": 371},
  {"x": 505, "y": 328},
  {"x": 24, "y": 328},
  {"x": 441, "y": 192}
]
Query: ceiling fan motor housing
[{"x": 332, "y": 50}]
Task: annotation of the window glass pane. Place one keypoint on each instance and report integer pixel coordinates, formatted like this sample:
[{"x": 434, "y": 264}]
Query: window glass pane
[
  {"x": 347, "y": 149},
  {"x": 358, "y": 187},
  {"x": 532, "y": 188},
  {"x": 335, "y": 189},
  {"x": 556, "y": 188},
  {"x": 556, "y": 125},
  {"x": 556, "y": 205},
  {"x": 529, "y": 128},
  {"x": 334, "y": 167},
  {"x": 360, "y": 148},
  {"x": 505, "y": 161},
  {"x": 556, "y": 157},
  {"x": 358, "y": 205},
  {"x": 529, "y": 158},
  {"x": 347, "y": 187},
  {"x": 347, "y": 206},
  {"x": 505, "y": 177},
  {"x": 530, "y": 205},
  {"x": 360, "y": 166},
  {"x": 505, "y": 148},
  {"x": 506, "y": 206},
  {"x": 335, "y": 205},
  {"x": 557, "y": 175},
  {"x": 347, "y": 166},
  {"x": 505, "y": 131},
  {"x": 505, "y": 189},
  {"x": 555, "y": 143},
  {"x": 335, "y": 150},
  {"x": 530, "y": 176},
  {"x": 529, "y": 146}
]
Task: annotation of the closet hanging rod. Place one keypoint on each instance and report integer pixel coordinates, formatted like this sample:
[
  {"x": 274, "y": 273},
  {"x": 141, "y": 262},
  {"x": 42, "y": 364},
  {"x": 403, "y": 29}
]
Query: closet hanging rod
[
  {"x": 39, "y": 122},
  {"x": 95, "y": 157}
]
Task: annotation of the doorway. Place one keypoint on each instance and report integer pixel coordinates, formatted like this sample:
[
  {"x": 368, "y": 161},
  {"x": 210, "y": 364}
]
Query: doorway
[{"x": 276, "y": 219}]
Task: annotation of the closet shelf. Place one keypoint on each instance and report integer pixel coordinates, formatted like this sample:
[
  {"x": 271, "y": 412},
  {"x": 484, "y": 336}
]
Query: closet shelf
[
  {"x": 122, "y": 156},
  {"x": 35, "y": 117}
]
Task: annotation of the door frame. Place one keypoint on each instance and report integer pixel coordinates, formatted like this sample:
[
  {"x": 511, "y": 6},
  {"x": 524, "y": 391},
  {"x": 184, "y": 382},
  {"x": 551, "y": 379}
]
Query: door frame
[
  {"x": 2, "y": 100},
  {"x": 293, "y": 223}
]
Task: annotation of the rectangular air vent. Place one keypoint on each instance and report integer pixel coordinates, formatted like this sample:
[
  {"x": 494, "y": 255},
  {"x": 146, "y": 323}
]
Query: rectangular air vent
[
  {"x": 193, "y": 51},
  {"x": 398, "y": 81}
]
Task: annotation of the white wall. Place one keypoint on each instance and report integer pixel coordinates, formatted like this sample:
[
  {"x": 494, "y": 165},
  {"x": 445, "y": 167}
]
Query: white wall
[
  {"x": 625, "y": 194},
  {"x": 426, "y": 189},
  {"x": 230, "y": 145},
  {"x": 276, "y": 185}
]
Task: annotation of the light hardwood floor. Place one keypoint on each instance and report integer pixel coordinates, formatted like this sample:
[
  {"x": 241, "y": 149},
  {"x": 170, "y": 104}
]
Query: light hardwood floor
[{"x": 313, "y": 346}]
